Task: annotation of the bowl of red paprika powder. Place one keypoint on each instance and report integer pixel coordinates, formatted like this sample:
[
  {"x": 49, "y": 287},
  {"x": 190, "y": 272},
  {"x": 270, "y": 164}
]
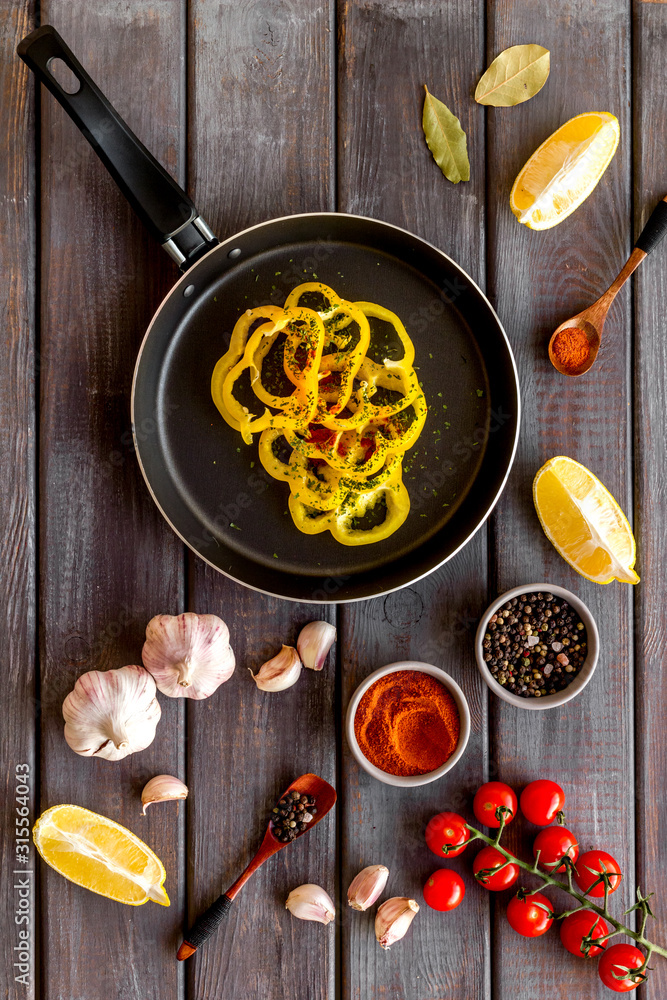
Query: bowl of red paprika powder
[{"x": 408, "y": 723}]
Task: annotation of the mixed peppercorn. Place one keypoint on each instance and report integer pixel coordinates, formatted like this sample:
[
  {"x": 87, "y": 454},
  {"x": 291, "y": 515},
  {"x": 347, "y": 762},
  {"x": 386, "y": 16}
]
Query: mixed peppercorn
[
  {"x": 291, "y": 815},
  {"x": 535, "y": 645}
]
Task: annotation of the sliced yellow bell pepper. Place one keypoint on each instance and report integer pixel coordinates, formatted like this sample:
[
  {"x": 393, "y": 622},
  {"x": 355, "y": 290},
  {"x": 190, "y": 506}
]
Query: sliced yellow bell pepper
[{"x": 340, "y": 451}]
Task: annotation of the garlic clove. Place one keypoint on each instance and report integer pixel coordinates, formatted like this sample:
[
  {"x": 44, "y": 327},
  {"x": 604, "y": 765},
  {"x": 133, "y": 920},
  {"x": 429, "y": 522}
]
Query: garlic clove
[
  {"x": 367, "y": 887},
  {"x": 393, "y": 918},
  {"x": 111, "y": 713},
  {"x": 311, "y": 902},
  {"x": 280, "y": 672},
  {"x": 314, "y": 642},
  {"x": 188, "y": 655},
  {"x": 162, "y": 788}
]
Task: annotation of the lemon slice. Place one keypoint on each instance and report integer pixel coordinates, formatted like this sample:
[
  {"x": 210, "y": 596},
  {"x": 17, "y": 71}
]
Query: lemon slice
[
  {"x": 561, "y": 174},
  {"x": 100, "y": 855},
  {"x": 583, "y": 521}
]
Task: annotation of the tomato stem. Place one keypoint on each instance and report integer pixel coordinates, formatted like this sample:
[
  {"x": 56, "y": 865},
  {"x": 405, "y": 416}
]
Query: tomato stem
[
  {"x": 585, "y": 902},
  {"x": 500, "y": 810}
]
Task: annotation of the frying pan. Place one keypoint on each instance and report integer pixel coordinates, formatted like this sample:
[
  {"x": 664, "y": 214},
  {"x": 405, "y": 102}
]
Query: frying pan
[{"x": 208, "y": 485}]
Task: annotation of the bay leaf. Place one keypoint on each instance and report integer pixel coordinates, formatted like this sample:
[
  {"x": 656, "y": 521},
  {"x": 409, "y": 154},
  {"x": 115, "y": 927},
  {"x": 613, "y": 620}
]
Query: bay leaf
[
  {"x": 446, "y": 139},
  {"x": 514, "y": 76}
]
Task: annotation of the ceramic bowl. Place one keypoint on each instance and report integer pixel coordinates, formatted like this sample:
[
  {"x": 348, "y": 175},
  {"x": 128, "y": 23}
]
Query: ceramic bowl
[
  {"x": 417, "y": 779},
  {"x": 579, "y": 682}
]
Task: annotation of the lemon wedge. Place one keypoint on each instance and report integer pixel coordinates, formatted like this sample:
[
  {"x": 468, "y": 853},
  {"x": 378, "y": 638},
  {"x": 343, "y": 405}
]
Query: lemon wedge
[
  {"x": 563, "y": 171},
  {"x": 583, "y": 521},
  {"x": 100, "y": 855}
]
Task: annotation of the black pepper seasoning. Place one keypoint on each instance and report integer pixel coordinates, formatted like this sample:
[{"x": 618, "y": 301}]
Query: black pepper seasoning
[
  {"x": 539, "y": 648},
  {"x": 291, "y": 816}
]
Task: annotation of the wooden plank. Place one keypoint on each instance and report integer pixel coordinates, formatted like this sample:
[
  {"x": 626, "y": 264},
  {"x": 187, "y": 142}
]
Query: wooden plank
[
  {"x": 260, "y": 145},
  {"x": 650, "y": 368},
  {"x": 388, "y": 53},
  {"x": 17, "y": 507},
  {"x": 108, "y": 563},
  {"x": 260, "y": 110},
  {"x": 538, "y": 279}
]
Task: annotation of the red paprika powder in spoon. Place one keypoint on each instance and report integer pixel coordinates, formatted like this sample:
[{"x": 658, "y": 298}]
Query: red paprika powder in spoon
[{"x": 571, "y": 348}]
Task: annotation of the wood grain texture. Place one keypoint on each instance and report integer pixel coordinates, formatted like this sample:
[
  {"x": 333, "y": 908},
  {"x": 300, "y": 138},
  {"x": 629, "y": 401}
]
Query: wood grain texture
[
  {"x": 650, "y": 370},
  {"x": 537, "y": 279},
  {"x": 388, "y": 51},
  {"x": 273, "y": 130},
  {"x": 108, "y": 563},
  {"x": 260, "y": 145},
  {"x": 260, "y": 109},
  {"x": 17, "y": 497}
]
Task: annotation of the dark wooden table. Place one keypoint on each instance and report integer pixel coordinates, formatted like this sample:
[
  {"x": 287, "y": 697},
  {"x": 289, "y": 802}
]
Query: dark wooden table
[{"x": 264, "y": 108}]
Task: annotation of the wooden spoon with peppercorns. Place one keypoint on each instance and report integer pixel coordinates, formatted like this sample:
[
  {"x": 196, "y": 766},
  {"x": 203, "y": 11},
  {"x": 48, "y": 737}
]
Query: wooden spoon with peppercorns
[
  {"x": 575, "y": 343},
  {"x": 310, "y": 788}
]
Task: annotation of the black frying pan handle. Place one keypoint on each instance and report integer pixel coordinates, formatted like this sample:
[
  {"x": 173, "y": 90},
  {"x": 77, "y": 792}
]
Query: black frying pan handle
[{"x": 163, "y": 207}]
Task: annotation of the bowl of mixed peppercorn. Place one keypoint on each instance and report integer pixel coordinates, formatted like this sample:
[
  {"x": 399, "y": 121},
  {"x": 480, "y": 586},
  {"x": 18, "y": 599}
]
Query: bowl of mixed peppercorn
[{"x": 537, "y": 646}]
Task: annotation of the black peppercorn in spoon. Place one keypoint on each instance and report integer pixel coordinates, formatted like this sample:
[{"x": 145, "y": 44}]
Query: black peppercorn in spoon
[
  {"x": 308, "y": 784},
  {"x": 591, "y": 320}
]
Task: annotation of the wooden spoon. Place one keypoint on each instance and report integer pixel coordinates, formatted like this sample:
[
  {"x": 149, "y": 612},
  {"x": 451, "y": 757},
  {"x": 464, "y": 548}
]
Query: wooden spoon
[
  {"x": 207, "y": 922},
  {"x": 591, "y": 320}
]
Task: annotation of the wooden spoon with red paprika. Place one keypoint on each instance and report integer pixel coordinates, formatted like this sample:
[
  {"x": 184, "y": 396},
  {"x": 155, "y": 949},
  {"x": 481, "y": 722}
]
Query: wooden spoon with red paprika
[{"x": 575, "y": 343}]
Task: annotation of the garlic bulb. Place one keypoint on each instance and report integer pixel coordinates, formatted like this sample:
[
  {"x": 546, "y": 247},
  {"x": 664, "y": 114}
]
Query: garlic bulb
[
  {"x": 188, "y": 655},
  {"x": 367, "y": 886},
  {"x": 310, "y": 902},
  {"x": 314, "y": 642},
  {"x": 111, "y": 713},
  {"x": 280, "y": 672},
  {"x": 162, "y": 788},
  {"x": 393, "y": 919}
]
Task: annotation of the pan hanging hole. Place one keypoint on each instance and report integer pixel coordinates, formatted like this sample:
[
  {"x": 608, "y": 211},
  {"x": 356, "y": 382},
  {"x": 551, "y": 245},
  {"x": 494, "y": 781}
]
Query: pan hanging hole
[
  {"x": 63, "y": 75},
  {"x": 236, "y": 252},
  {"x": 187, "y": 292}
]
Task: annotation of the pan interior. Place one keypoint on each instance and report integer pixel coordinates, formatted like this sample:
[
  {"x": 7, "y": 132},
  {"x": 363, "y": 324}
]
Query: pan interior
[
  {"x": 210, "y": 485},
  {"x": 220, "y": 479}
]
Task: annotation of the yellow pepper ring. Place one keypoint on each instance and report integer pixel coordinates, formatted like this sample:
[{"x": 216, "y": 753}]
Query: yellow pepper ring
[{"x": 345, "y": 451}]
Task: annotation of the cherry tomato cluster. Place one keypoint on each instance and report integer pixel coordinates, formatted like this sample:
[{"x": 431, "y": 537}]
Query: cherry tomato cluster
[{"x": 555, "y": 848}]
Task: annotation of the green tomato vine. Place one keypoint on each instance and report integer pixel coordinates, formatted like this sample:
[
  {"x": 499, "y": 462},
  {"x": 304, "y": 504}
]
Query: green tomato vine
[{"x": 603, "y": 878}]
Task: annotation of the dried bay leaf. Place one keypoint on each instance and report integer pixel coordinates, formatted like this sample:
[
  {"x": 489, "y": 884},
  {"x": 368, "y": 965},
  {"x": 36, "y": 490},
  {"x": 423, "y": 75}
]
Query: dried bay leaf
[
  {"x": 446, "y": 139},
  {"x": 514, "y": 76}
]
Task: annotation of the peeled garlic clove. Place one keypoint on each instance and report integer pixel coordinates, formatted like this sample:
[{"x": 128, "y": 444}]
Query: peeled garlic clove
[
  {"x": 393, "y": 919},
  {"x": 188, "y": 655},
  {"x": 311, "y": 902},
  {"x": 367, "y": 886},
  {"x": 162, "y": 788},
  {"x": 111, "y": 713},
  {"x": 314, "y": 642},
  {"x": 280, "y": 672}
]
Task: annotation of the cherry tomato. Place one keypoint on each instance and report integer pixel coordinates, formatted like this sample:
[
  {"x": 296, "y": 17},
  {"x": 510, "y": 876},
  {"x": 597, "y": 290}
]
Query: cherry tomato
[
  {"x": 444, "y": 890},
  {"x": 490, "y": 797},
  {"x": 621, "y": 959},
  {"x": 528, "y": 916},
  {"x": 598, "y": 861},
  {"x": 541, "y": 801},
  {"x": 447, "y": 834},
  {"x": 490, "y": 858},
  {"x": 553, "y": 843},
  {"x": 574, "y": 929}
]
